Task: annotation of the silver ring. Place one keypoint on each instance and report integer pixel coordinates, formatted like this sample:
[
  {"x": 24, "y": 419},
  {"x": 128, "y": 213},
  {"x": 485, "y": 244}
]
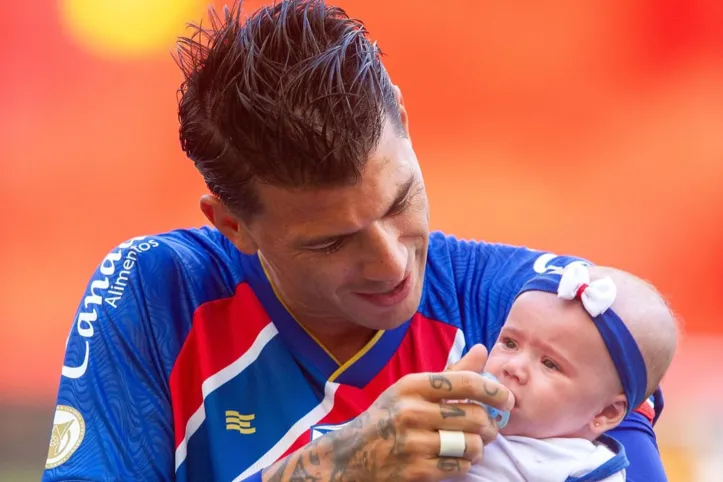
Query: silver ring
[{"x": 451, "y": 444}]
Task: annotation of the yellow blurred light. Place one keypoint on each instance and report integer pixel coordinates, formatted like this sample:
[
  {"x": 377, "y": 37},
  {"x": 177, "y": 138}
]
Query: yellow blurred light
[{"x": 128, "y": 28}]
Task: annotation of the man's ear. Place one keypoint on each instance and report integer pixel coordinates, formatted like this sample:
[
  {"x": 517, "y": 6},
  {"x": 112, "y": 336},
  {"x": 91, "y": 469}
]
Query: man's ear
[
  {"x": 402, "y": 110},
  {"x": 228, "y": 223}
]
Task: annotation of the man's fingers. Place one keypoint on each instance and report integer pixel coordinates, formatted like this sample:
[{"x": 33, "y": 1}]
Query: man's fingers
[
  {"x": 438, "y": 468},
  {"x": 427, "y": 443},
  {"x": 458, "y": 385},
  {"x": 451, "y": 467},
  {"x": 463, "y": 417},
  {"x": 473, "y": 361},
  {"x": 473, "y": 446}
]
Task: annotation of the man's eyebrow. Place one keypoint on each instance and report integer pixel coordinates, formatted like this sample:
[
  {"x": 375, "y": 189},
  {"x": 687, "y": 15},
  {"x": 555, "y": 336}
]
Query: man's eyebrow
[
  {"x": 402, "y": 194},
  {"x": 399, "y": 200},
  {"x": 320, "y": 240}
]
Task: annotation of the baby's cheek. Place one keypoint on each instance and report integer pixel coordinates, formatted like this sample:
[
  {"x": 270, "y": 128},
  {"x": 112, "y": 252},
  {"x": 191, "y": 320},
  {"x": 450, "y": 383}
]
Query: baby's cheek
[
  {"x": 494, "y": 360},
  {"x": 552, "y": 405}
]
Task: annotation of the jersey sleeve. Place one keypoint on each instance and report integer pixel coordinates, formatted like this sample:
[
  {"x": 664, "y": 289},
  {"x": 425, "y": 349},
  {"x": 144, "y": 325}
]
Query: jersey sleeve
[{"x": 113, "y": 419}]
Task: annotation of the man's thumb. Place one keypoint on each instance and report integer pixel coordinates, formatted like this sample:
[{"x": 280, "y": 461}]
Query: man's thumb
[{"x": 473, "y": 361}]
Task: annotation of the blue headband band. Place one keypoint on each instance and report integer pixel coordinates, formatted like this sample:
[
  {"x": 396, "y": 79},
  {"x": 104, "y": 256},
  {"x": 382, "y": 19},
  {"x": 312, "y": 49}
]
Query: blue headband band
[{"x": 620, "y": 343}]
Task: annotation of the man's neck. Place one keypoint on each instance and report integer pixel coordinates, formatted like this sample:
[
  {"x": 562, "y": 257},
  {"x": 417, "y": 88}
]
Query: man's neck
[
  {"x": 343, "y": 342},
  {"x": 342, "y": 338}
]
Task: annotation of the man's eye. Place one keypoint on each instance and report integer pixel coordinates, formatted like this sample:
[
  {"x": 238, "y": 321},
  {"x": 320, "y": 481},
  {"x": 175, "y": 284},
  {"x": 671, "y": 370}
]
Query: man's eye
[
  {"x": 329, "y": 248},
  {"x": 399, "y": 207}
]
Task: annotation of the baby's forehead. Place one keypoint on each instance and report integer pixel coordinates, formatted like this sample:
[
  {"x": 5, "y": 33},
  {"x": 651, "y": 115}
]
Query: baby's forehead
[{"x": 533, "y": 306}]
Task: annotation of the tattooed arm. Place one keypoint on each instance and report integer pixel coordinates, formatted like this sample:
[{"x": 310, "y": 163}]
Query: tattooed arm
[{"x": 397, "y": 439}]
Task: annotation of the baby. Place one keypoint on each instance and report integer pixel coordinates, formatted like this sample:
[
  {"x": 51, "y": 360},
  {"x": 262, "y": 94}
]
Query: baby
[{"x": 578, "y": 355}]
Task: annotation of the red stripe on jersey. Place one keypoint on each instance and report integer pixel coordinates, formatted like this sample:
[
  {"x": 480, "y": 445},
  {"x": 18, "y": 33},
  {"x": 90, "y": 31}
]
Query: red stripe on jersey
[
  {"x": 425, "y": 348},
  {"x": 222, "y": 331},
  {"x": 646, "y": 410}
]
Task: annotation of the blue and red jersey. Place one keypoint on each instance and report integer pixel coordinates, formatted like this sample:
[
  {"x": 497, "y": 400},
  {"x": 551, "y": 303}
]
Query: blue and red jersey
[{"x": 182, "y": 363}]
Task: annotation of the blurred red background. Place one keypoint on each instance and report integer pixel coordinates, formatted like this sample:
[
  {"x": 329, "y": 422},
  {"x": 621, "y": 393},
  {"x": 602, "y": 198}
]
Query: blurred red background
[{"x": 593, "y": 128}]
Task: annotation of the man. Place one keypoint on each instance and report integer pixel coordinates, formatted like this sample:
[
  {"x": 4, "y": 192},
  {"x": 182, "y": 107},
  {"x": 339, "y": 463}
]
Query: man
[{"x": 306, "y": 335}]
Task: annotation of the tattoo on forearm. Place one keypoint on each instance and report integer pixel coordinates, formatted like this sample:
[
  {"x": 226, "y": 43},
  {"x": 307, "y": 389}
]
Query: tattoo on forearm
[
  {"x": 449, "y": 465},
  {"x": 440, "y": 382},
  {"x": 350, "y": 457},
  {"x": 278, "y": 475},
  {"x": 386, "y": 428},
  {"x": 352, "y": 460},
  {"x": 314, "y": 458},
  {"x": 300, "y": 474},
  {"x": 451, "y": 411},
  {"x": 490, "y": 391}
]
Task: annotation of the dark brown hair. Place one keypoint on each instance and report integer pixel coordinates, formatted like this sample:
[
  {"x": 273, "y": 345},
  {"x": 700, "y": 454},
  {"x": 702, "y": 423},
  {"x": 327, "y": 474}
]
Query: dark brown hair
[{"x": 296, "y": 96}]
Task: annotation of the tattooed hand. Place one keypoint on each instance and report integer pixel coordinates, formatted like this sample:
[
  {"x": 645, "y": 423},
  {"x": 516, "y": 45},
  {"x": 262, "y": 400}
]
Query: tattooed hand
[{"x": 397, "y": 438}]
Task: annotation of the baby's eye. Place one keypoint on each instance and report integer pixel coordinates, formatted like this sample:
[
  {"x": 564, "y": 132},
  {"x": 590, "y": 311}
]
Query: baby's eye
[
  {"x": 551, "y": 365},
  {"x": 509, "y": 343}
]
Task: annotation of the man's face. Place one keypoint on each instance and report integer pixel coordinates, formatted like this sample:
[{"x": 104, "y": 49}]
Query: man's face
[
  {"x": 552, "y": 358},
  {"x": 355, "y": 253}
]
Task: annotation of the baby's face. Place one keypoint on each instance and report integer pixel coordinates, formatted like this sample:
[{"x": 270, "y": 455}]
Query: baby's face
[{"x": 553, "y": 359}]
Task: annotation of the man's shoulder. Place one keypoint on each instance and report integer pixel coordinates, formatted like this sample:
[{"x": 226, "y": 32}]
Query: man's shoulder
[
  {"x": 199, "y": 264},
  {"x": 188, "y": 245},
  {"x": 468, "y": 255},
  {"x": 472, "y": 284},
  {"x": 459, "y": 251},
  {"x": 152, "y": 286}
]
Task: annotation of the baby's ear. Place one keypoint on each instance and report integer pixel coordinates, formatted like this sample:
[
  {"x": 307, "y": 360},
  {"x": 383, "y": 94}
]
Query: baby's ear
[{"x": 610, "y": 416}]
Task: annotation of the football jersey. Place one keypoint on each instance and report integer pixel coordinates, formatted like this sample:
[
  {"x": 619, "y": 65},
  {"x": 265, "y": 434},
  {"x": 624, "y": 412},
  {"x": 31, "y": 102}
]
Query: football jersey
[{"x": 183, "y": 364}]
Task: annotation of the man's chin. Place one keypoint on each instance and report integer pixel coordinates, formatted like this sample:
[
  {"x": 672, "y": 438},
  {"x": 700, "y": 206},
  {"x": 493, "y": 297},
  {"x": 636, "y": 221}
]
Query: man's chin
[
  {"x": 381, "y": 317},
  {"x": 385, "y": 319}
]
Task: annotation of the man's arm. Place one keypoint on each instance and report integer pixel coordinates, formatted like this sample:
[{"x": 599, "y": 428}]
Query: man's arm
[
  {"x": 637, "y": 436},
  {"x": 113, "y": 419},
  {"x": 398, "y": 437}
]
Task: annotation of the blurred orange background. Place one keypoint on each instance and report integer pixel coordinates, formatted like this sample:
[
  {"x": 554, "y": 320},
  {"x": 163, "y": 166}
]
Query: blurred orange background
[{"x": 593, "y": 128}]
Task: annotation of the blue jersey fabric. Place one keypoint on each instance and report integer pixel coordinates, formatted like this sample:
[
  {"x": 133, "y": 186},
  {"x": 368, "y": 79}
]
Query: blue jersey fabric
[{"x": 182, "y": 364}]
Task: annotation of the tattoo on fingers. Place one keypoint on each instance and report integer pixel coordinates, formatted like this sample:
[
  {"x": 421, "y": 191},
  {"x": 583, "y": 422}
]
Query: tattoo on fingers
[
  {"x": 451, "y": 411},
  {"x": 449, "y": 465},
  {"x": 440, "y": 382},
  {"x": 490, "y": 391}
]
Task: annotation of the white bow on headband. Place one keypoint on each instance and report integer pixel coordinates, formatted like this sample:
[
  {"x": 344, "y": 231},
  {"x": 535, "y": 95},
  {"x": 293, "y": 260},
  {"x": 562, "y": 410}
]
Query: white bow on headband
[{"x": 596, "y": 296}]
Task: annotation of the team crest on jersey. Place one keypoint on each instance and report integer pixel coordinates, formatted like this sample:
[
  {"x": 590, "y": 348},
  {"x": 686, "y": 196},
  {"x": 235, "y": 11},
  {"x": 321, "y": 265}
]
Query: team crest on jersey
[
  {"x": 240, "y": 422},
  {"x": 543, "y": 264},
  {"x": 319, "y": 430},
  {"x": 68, "y": 432}
]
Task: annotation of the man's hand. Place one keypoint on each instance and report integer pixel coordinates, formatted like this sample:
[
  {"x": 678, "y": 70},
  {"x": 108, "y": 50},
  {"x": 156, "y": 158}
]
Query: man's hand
[{"x": 397, "y": 438}]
